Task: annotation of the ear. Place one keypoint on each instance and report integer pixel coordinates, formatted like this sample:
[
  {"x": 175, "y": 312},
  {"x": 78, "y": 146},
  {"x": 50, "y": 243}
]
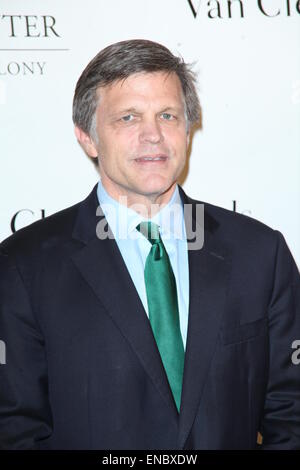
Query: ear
[
  {"x": 188, "y": 136},
  {"x": 86, "y": 142}
]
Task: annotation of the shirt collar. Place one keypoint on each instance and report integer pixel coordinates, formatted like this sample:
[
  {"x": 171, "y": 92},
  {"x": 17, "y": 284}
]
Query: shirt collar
[{"x": 123, "y": 220}]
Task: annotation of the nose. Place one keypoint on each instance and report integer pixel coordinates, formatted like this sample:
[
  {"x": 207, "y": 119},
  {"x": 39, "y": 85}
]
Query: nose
[{"x": 150, "y": 131}]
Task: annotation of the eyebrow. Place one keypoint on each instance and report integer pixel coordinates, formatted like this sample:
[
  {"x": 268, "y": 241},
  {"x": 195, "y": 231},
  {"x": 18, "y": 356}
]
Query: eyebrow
[
  {"x": 136, "y": 111},
  {"x": 171, "y": 108}
]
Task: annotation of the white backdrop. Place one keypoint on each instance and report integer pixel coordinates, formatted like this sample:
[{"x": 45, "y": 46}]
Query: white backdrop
[{"x": 247, "y": 58}]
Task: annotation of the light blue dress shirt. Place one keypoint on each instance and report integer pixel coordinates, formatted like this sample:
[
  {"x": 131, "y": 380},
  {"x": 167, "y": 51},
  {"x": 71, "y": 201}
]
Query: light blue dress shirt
[{"x": 134, "y": 247}]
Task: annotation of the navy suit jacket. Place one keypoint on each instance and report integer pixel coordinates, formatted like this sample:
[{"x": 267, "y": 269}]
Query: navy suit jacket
[{"x": 82, "y": 367}]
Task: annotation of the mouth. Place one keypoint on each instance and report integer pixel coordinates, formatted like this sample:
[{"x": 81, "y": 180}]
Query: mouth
[{"x": 151, "y": 159}]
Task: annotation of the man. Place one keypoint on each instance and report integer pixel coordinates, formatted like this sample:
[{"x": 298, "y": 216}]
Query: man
[{"x": 122, "y": 330}]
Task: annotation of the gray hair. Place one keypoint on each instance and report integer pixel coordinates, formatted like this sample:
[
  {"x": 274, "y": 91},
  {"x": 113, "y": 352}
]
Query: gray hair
[{"x": 120, "y": 60}]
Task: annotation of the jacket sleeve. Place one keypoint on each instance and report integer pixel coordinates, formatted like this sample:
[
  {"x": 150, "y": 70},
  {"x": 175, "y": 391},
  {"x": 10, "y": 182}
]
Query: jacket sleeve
[
  {"x": 280, "y": 426},
  {"x": 25, "y": 414}
]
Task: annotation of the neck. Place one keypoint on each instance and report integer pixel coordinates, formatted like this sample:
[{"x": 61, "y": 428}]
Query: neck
[{"x": 147, "y": 205}]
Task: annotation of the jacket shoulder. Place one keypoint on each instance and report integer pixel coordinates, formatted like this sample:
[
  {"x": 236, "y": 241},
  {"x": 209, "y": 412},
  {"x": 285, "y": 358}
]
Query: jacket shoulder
[
  {"x": 236, "y": 220},
  {"x": 225, "y": 221},
  {"x": 238, "y": 231},
  {"x": 51, "y": 230},
  {"x": 247, "y": 239}
]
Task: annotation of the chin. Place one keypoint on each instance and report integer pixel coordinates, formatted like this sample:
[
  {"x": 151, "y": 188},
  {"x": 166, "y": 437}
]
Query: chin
[{"x": 155, "y": 189}]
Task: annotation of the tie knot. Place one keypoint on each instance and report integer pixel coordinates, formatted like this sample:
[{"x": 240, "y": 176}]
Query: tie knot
[{"x": 150, "y": 230}]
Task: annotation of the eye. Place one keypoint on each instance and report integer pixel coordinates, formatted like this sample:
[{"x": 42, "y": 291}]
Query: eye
[
  {"x": 167, "y": 116},
  {"x": 127, "y": 118}
]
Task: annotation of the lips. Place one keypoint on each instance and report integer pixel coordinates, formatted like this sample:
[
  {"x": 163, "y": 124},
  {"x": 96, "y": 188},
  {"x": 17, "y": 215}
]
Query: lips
[{"x": 151, "y": 158}]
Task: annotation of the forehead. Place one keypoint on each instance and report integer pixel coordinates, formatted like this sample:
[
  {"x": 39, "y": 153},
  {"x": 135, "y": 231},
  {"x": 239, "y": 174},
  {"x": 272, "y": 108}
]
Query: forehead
[{"x": 154, "y": 86}]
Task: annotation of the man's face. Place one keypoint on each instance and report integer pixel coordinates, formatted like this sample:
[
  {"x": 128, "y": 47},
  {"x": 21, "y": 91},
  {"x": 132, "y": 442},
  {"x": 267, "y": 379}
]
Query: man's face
[{"x": 142, "y": 134}]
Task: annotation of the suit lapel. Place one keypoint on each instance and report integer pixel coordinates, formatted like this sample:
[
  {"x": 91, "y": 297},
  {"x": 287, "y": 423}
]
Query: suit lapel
[
  {"x": 208, "y": 272},
  {"x": 103, "y": 268}
]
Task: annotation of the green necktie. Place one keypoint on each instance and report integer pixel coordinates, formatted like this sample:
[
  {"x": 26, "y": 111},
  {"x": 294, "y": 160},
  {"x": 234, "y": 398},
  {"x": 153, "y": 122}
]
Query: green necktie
[{"x": 163, "y": 308}]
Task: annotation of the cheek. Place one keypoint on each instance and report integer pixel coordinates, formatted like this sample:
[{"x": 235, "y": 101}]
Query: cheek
[
  {"x": 108, "y": 144},
  {"x": 118, "y": 149},
  {"x": 124, "y": 140},
  {"x": 180, "y": 146},
  {"x": 177, "y": 138}
]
